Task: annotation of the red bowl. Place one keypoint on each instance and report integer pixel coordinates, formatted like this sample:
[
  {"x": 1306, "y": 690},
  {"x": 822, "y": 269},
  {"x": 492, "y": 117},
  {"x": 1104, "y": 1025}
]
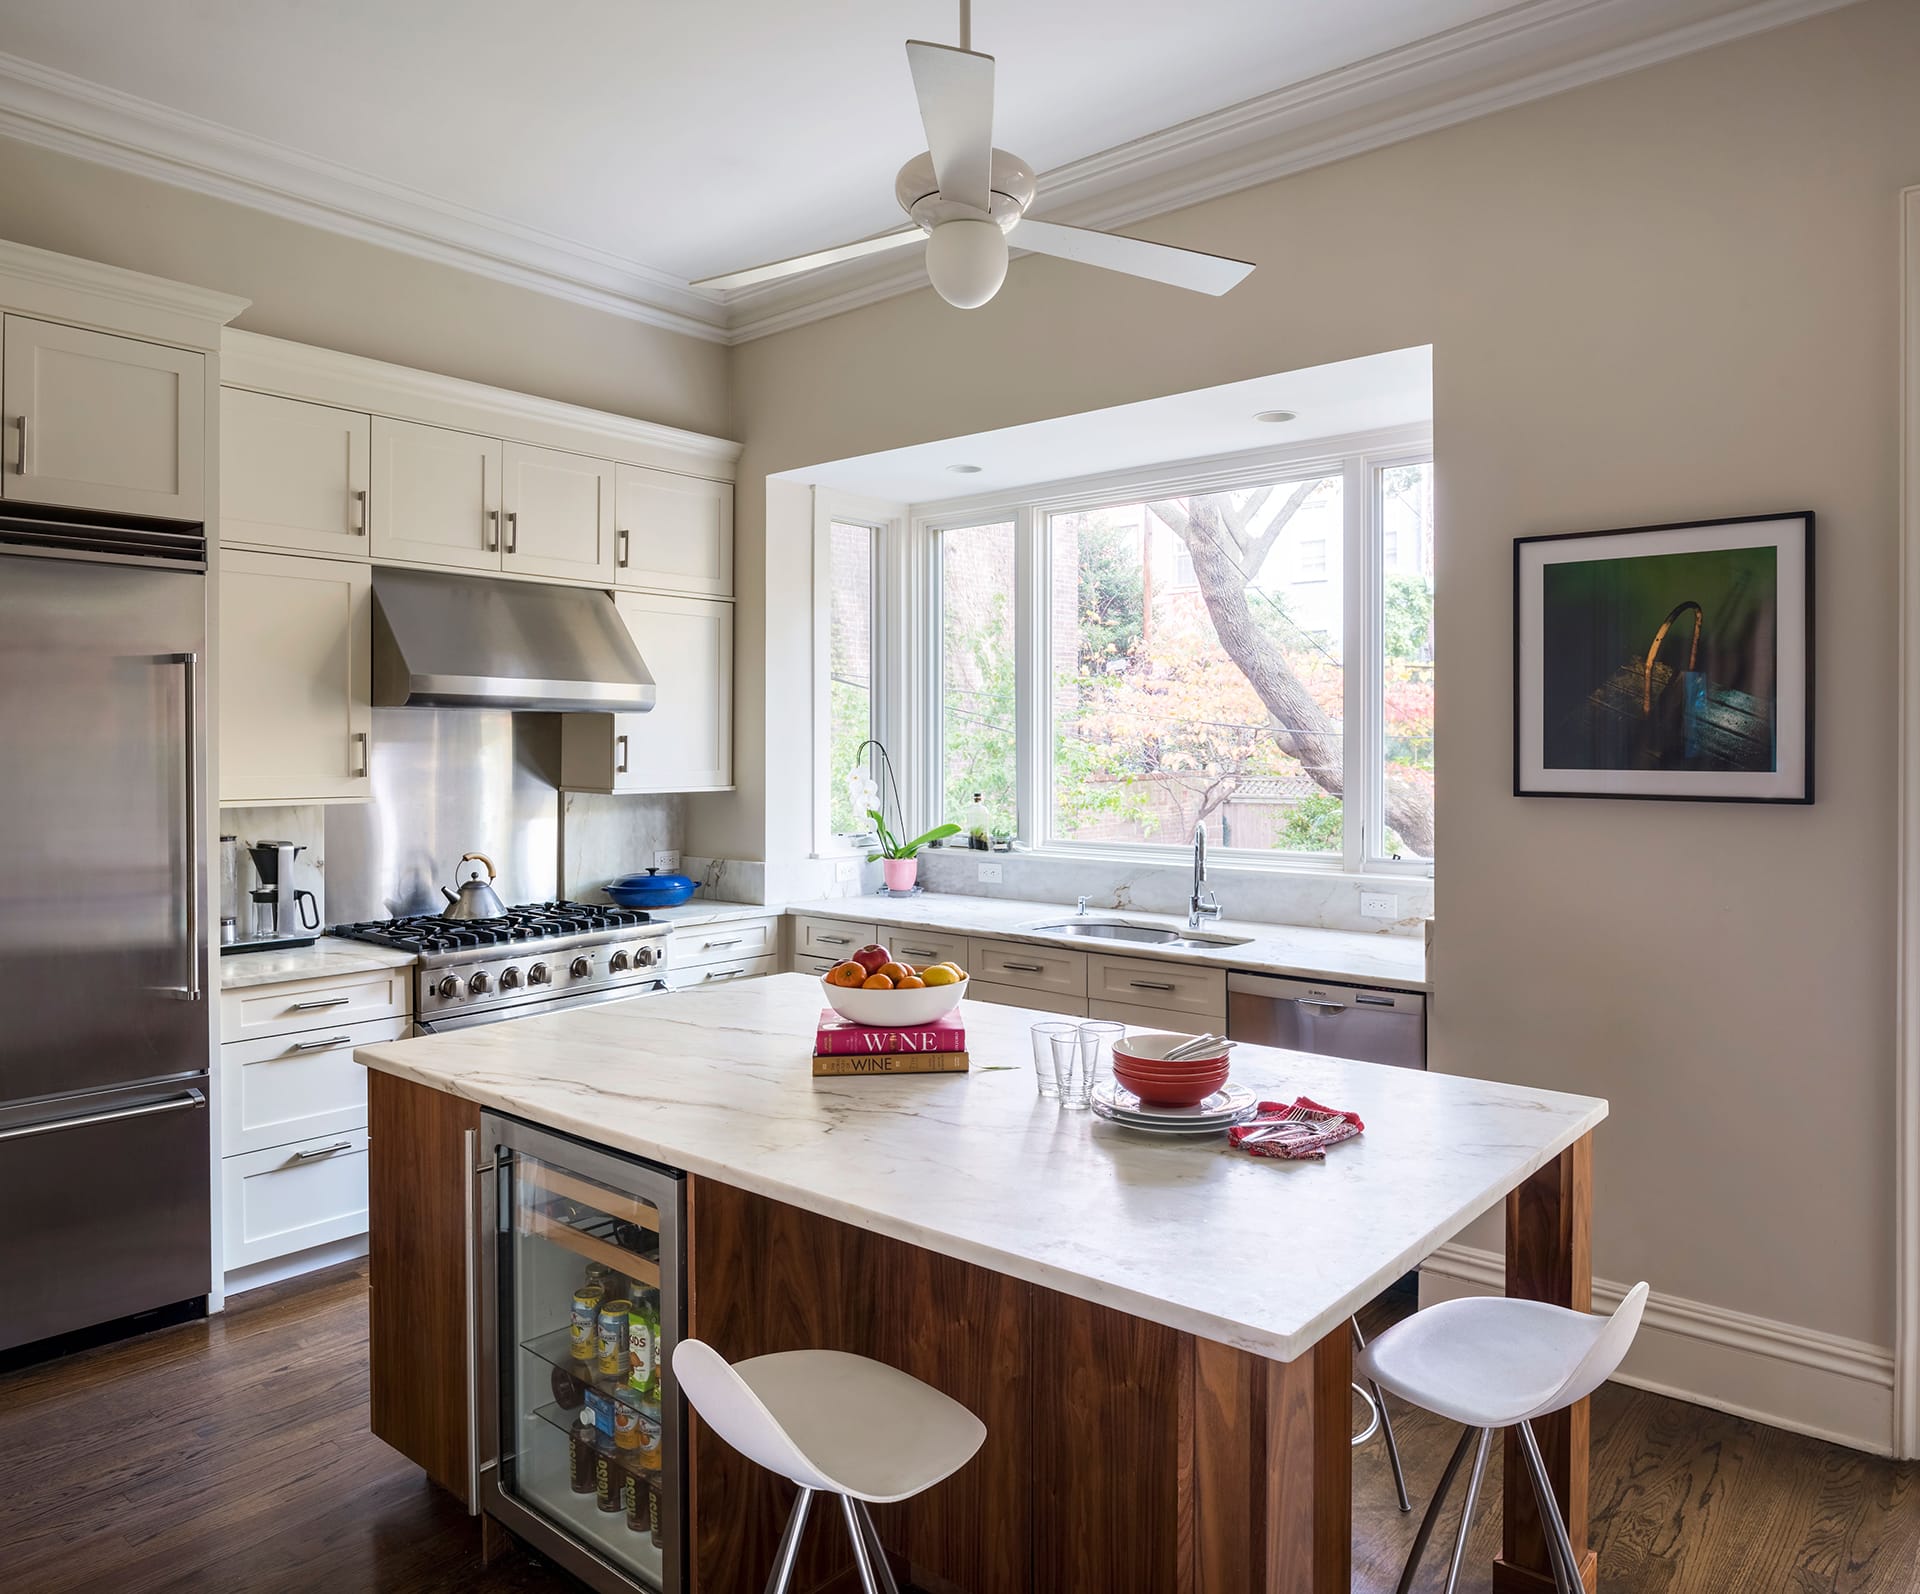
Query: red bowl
[
  {"x": 1149, "y": 1050},
  {"x": 1171, "y": 1090}
]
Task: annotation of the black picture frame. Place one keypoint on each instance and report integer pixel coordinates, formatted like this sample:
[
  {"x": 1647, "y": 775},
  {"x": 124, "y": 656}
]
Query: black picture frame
[{"x": 1577, "y": 731}]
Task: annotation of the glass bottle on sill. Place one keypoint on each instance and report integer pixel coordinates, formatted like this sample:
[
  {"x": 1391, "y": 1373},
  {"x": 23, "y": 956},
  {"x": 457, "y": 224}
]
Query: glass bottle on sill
[{"x": 976, "y": 824}]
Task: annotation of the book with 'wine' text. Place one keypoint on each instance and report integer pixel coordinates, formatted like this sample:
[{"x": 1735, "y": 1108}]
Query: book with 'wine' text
[{"x": 841, "y": 1037}]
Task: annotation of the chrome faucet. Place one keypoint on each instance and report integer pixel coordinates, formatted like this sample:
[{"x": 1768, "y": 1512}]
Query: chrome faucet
[
  {"x": 1081, "y": 911},
  {"x": 1202, "y": 905}
]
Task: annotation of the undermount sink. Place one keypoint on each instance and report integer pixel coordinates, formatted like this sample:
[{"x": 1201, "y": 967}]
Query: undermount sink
[{"x": 1114, "y": 930}]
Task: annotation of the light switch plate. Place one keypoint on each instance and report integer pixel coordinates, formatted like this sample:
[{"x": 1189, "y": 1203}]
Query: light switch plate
[
  {"x": 990, "y": 874},
  {"x": 1379, "y": 905},
  {"x": 666, "y": 861},
  {"x": 845, "y": 869}
]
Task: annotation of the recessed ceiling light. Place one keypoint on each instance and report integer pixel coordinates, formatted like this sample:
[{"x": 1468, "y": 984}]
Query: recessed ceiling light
[
  {"x": 1276, "y": 417},
  {"x": 964, "y": 470}
]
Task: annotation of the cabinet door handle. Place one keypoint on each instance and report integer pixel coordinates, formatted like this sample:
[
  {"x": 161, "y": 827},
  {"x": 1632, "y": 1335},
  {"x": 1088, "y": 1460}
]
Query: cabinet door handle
[
  {"x": 620, "y": 764},
  {"x": 321, "y": 1045},
  {"x": 1025, "y": 968},
  {"x": 23, "y": 444},
  {"x": 318, "y": 1152},
  {"x": 1151, "y": 985},
  {"x": 321, "y": 1001},
  {"x": 359, "y": 523},
  {"x": 490, "y": 537},
  {"x": 624, "y": 546},
  {"x": 513, "y": 531},
  {"x": 360, "y": 741}
]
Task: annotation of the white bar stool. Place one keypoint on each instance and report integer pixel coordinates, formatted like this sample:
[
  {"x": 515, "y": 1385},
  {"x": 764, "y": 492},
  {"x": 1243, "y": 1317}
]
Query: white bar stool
[
  {"x": 1493, "y": 1363},
  {"x": 832, "y": 1423}
]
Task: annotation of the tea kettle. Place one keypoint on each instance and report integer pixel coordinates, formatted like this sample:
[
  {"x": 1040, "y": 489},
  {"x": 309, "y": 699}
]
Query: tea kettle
[{"x": 476, "y": 898}]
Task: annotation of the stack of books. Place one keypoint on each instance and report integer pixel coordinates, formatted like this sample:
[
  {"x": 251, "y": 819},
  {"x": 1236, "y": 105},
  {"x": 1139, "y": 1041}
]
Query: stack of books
[{"x": 844, "y": 1047}]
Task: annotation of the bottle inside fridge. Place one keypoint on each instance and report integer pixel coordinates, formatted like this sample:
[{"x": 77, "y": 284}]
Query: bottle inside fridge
[{"x": 586, "y": 1299}]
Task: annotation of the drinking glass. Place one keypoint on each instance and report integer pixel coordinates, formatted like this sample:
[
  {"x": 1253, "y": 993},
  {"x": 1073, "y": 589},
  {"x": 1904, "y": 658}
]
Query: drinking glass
[
  {"x": 1081, "y": 1058},
  {"x": 1043, "y": 1067},
  {"x": 1097, "y": 1041}
]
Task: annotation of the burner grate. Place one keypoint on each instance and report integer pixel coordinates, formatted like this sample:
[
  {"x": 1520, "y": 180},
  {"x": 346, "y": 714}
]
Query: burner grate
[{"x": 537, "y": 921}]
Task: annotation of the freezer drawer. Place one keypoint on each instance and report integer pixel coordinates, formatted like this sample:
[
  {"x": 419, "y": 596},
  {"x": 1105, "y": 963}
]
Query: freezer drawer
[
  {"x": 107, "y": 1207},
  {"x": 1368, "y": 1025}
]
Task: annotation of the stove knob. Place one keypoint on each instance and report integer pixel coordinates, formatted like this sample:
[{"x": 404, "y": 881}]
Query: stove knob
[
  {"x": 509, "y": 979},
  {"x": 449, "y": 987},
  {"x": 481, "y": 983},
  {"x": 580, "y": 968},
  {"x": 538, "y": 975},
  {"x": 646, "y": 957},
  {"x": 617, "y": 963}
]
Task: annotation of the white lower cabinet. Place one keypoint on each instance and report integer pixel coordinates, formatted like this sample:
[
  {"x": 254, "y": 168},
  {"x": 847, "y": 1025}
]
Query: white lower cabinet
[
  {"x": 298, "y": 1086},
  {"x": 293, "y": 1197},
  {"x": 685, "y": 742},
  {"x": 296, "y": 664},
  {"x": 979, "y": 990},
  {"x": 695, "y": 945},
  {"x": 1138, "y": 1018},
  {"x": 815, "y": 937},
  {"x": 688, "y": 979},
  {"x": 1178, "y": 990}
]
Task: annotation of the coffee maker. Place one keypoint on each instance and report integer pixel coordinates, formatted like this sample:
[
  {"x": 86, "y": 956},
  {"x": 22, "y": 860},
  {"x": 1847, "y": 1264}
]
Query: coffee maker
[{"x": 276, "y": 914}]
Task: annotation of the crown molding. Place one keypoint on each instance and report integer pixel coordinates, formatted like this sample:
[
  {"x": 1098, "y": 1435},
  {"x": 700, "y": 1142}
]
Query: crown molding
[
  {"x": 113, "y": 298},
  {"x": 1526, "y": 52}
]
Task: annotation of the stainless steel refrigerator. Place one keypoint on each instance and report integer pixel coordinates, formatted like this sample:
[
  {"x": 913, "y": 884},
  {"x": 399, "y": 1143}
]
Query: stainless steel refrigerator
[{"x": 104, "y": 1138}]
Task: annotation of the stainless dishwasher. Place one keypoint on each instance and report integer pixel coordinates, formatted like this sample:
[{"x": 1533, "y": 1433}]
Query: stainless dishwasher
[{"x": 1367, "y": 1024}]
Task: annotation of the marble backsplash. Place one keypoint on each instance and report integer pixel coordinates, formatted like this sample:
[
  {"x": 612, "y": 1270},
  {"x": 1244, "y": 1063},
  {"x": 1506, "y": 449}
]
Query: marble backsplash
[
  {"x": 303, "y": 825},
  {"x": 602, "y": 838}
]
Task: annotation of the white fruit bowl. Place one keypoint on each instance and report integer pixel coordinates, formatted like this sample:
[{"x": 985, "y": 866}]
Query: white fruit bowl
[{"x": 894, "y": 1009}]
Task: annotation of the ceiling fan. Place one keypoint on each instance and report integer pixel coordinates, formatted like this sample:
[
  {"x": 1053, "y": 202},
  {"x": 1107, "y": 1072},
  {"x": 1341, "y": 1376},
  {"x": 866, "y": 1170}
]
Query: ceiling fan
[{"x": 965, "y": 197}]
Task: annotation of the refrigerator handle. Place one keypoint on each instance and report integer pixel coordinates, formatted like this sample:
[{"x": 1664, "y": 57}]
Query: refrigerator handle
[
  {"x": 190, "y": 665},
  {"x": 190, "y": 1098}
]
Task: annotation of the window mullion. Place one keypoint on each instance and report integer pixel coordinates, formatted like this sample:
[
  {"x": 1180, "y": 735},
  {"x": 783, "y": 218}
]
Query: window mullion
[
  {"x": 1359, "y": 671},
  {"x": 1033, "y": 708}
]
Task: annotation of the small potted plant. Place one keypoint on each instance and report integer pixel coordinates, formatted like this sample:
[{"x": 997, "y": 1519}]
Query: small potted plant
[{"x": 899, "y": 860}]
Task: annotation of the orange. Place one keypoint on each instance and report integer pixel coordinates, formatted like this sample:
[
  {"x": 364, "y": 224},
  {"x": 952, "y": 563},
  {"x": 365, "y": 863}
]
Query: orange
[
  {"x": 876, "y": 982},
  {"x": 894, "y": 971},
  {"x": 846, "y": 974},
  {"x": 910, "y": 982}
]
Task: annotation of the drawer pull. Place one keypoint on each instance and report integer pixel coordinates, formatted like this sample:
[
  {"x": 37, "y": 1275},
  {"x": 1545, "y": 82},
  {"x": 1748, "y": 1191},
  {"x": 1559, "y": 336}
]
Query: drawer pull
[
  {"x": 321, "y": 1001},
  {"x": 1151, "y": 985},
  {"x": 1025, "y": 968},
  {"x": 318, "y": 1152},
  {"x": 708, "y": 946},
  {"x": 321, "y": 1045},
  {"x": 834, "y": 940},
  {"x": 923, "y": 952},
  {"x": 722, "y": 974}
]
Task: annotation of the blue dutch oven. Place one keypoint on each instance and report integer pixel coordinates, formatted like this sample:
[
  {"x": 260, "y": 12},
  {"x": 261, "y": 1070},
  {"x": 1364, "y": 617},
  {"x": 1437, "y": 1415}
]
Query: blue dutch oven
[{"x": 651, "y": 890}]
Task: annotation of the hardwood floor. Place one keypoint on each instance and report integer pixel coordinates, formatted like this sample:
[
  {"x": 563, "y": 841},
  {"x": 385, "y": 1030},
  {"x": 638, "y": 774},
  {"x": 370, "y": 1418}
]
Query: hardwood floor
[{"x": 234, "y": 1455}]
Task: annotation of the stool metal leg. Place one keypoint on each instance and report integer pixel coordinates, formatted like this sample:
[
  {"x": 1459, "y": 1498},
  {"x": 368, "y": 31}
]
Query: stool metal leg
[
  {"x": 1566, "y": 1568},
  {"x": 862, "y": 1556},
  {"x": 1466, "y": 1510},
  {"x": 789, "y": 1552},
  {"x": 880, "y": 1562},
  {"x": 1433, "y": 1511},
  {"x": 1386, "y": 1425}
]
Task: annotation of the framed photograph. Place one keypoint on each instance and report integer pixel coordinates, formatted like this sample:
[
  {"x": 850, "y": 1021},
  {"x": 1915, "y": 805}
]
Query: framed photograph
[{"x": 1666, "y": 661}]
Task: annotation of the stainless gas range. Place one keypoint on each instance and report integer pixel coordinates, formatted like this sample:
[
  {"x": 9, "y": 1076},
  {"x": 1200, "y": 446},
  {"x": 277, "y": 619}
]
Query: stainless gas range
[{"x": 535, "y": 959}]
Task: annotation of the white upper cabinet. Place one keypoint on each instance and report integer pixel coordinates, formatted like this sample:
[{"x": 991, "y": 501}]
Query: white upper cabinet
[
  {"x": 557, "y": 514},
  {"x": 293, "y": 475},
  {"x": 685, "y": 743},
  {"x": 436, "y": 496},
  {"x": 296, "y": 648},
  {"x": 674, "y": 533},
  {"x": 101, "y": 422}
]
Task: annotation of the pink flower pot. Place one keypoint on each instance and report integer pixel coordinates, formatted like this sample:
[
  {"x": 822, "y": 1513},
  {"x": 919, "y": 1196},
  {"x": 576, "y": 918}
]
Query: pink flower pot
[{"x": 899, "y": 873}]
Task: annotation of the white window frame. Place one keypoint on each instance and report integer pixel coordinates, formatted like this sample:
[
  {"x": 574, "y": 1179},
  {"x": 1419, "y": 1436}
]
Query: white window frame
[
  {"x": 885, "y": 521},
  {"x": 1358, "y": 459}
]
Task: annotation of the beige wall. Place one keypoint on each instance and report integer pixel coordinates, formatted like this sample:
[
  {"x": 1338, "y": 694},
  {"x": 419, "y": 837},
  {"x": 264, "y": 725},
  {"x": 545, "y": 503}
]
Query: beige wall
[
  {"x": 317, "y": 287},
  {"x": 1668, "y": 295}
]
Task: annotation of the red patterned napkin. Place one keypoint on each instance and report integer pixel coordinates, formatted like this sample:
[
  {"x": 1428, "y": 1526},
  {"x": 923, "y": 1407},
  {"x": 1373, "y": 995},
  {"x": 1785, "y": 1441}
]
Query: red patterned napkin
[{"x": 1295, "y": 1131}]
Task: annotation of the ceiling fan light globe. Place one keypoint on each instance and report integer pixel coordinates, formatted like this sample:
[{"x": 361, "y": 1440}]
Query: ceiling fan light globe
[{"x": 967, "y": 262}]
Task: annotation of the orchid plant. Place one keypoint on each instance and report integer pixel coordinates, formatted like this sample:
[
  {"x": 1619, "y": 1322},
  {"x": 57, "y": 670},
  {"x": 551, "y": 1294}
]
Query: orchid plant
[{"x": 864, "y": 791}]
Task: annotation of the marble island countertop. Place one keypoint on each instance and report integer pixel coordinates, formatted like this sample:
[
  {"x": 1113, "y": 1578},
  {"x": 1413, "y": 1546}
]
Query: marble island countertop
[
  {"x": 329, "y": 955},
  {"x": 1302, "y": 951},
  {"x": 1263, "y": 1255}
]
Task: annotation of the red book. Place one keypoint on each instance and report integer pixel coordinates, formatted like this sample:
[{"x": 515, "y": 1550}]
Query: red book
[{"x": 841, "y": 1037}]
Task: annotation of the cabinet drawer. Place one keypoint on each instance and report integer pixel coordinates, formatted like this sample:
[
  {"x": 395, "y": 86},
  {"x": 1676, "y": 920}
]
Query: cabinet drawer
[
  {"x": 258, "y": 1011},
  {"x": 1174, "y": 987},
  {"x": 803, "y": 964},
  {"x": 1038, "y": 968},
  {"x": 295, "y": 1087},
  {"x": 829, "y": 938},
  {"x": 720, "y": 973},
  {"x": 292, "y": 1197},
  {"x": 1019, "y": 996},
  {"x": 700, "y": 944},
  {"x": 921, "y": 947},
  {"x": 1139, "y": 1018}
]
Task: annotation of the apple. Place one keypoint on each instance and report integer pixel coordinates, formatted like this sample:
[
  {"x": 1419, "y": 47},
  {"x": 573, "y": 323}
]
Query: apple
[{"x": 871, "y": 957}]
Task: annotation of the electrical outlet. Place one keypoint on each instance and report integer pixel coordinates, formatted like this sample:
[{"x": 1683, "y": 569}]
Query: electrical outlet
[
  {"x": 1379, "y": 905},
  {"x": 990, "y": 874},
  {"x": 845, "y": 869},
  {"x": 666, "y": 861}
]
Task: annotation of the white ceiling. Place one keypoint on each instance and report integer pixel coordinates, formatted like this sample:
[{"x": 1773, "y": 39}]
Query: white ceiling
[{"x": 1363, "y": 395}]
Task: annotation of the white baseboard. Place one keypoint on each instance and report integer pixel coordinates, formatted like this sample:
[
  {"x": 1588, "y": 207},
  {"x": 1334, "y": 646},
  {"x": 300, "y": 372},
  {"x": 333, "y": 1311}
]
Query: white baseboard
[
  {"x": 261, "y": 1274},
  {"x": 1789, "y": 1377}
]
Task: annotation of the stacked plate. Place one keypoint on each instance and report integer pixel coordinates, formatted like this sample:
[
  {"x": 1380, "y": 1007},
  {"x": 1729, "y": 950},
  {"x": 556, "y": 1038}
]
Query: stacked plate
[{"x": 1215, "y": 1115}]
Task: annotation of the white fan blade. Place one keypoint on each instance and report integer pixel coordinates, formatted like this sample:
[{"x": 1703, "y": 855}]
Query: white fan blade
[
  {"x": 1181, "y": 268},
  {"x": 877, "y": 244},
  {"x": 955, "y": 88}
]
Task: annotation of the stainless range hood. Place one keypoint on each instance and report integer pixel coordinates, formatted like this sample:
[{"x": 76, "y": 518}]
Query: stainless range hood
[{"x": 442, "y": 641}]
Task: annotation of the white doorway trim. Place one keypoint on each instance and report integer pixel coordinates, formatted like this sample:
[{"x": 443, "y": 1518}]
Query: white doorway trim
[{"x": 1906, "y": 1341}]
